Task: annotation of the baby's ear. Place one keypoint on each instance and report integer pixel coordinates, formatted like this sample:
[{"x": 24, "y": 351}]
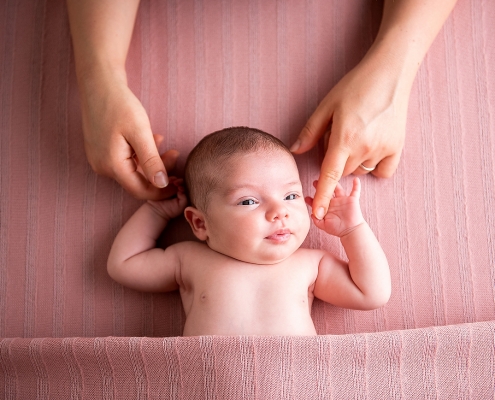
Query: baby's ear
[{"x": 197, "y": 221}]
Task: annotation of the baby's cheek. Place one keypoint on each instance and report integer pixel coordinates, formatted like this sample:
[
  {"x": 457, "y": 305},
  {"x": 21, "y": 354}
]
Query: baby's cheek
[{"x": 306, "y": 224}]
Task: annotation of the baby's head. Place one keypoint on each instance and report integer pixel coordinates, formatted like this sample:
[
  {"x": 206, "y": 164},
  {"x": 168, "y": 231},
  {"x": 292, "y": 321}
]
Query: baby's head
[
  {"x": 212, "y": 158},
  {"x": 246, "y": 196}
]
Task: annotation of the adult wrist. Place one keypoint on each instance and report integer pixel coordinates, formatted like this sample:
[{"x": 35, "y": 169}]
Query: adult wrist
[
  {"x": 397, "y": 55},
  {"x": 100, "y": 73},
  {"x": 97, "y": 80}
]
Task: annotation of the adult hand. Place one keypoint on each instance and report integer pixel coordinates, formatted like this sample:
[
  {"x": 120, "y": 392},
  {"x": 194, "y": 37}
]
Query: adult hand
[
  {"x": 364, "y": 119},
  {"x": 118, "y": 138}
]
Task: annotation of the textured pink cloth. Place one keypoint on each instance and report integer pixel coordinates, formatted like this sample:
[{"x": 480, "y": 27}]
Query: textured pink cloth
[
  {"x": 452, "y": 362},
  {"x": 199, "y": 66}
]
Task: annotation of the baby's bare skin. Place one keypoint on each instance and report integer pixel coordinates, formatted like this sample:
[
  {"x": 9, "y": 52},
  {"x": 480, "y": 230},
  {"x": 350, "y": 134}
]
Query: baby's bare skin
[
  {"x": 250, "y": 276},
  {"x": 224, "y": 296}
]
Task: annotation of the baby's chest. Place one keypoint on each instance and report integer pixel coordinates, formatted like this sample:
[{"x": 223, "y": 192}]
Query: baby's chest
[{"x": 237, "y": 281}]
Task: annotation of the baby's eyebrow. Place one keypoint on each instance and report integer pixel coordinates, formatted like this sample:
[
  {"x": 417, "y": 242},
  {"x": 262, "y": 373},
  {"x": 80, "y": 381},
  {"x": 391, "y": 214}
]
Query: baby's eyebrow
[
  {"x": 235, "y": 188},
  {"x": 293, "y": 183}
]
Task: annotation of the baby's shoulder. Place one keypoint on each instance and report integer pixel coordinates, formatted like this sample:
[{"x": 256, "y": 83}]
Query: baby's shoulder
[
  {"x": 313, "y": 255},
  {"x": 189, "y": 248},
  {"x": 192, "y": 253}
]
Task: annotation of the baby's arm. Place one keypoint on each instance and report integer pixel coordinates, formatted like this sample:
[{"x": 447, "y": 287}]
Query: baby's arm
[
  {"x": 363, "y": 283},
  {"x": 134, "y": 261}
]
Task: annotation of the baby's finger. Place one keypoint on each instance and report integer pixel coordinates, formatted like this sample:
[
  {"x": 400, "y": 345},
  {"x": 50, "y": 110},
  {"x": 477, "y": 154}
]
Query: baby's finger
[
  {"x": 158, "y": 140},
  {"x": 175, "y": 181},
  {"x": 309, "y": 201},
  {"x": 356, "y": 188},
  {"x": 339, "y": 190},
  {"x": 181, "y": 196},
  {"x": 183, "y": 201}
]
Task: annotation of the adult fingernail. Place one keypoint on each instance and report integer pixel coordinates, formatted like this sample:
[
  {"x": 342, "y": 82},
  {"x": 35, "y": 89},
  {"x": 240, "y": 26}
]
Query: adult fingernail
[
  {"x": 296, "y": 145},
  {"x": 160, "y": 179},
  {"x": 320, "y": 213}
]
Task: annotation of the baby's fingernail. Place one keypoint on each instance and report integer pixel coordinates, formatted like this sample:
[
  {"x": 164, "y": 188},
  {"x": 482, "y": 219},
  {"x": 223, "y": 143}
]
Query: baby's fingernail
[
  {"x": 160, "y": 179},
  {"x": 296, "y": 145},
  {"x": 320, "y": 213}
]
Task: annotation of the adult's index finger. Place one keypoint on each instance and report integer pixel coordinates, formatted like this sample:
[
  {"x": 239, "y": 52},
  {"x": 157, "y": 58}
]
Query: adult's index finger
[{"x": 332, "y": 169}]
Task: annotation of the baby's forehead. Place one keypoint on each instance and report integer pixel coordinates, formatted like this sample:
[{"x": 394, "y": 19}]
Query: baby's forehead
[
  {"x": 251, "y": 170},
  {"x": 240, "y": 161},
  {"x": 274, "y": 154}
]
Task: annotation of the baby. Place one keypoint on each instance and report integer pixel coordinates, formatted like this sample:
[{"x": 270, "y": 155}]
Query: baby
[{"x": 249, "y": 275}]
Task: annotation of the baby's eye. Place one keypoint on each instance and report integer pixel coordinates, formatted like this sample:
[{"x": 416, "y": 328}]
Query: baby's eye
[
  {"x": 248, "y": 202},
  {"x": 292, "y": 196}
]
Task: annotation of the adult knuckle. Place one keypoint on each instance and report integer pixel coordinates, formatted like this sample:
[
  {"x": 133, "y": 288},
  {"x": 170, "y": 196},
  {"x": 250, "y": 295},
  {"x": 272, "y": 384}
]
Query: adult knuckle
[
  {"x": 94, "y": 166},
  {"x": 331, "y": 176},
  {"x": 308, "y": 132},
  {"x": 355, "y": 137},
  {"x": 150, "y": 161},
  {"x": 352, "y": 133},
  {"x": 367, "y": 147},
  {"x": 133, "y": 189},
  {"x": 140, "y": 195},
  {"x": 99, "y": 168}
]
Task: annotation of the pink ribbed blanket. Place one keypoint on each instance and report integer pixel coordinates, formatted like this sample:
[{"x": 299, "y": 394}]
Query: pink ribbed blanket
[{"x": 199, "y": 66}]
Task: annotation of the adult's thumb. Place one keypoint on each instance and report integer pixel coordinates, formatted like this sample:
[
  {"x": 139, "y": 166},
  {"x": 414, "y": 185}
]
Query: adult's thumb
[{"x": 150, "y": 161}]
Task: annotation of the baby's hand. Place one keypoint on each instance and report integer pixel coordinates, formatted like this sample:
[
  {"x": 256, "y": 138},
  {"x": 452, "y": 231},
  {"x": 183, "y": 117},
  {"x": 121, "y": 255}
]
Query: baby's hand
[
  {"x": 344, "y": 213},
  {"x": 171, "y": 208}
]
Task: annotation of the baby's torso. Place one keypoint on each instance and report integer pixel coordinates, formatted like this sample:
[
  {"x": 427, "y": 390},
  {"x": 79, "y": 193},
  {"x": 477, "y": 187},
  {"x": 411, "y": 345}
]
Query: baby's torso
[{"x": 223, "y": 296}]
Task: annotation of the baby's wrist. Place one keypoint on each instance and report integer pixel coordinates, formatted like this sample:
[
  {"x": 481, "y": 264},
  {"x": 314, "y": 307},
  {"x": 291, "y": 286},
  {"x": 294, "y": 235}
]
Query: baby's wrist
[
  {"x": 349, "y": 231},
  {"x": 158, "y": 211}
]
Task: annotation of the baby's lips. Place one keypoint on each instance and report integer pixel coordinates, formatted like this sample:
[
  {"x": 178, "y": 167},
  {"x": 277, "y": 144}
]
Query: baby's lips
[{"x": 280, "y": 233}]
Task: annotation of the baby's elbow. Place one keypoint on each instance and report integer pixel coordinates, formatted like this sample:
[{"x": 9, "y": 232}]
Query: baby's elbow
[
  {"x": 375, "y": 300},
  {"x": 113, "y": 269},
  {"x": 380, "y": 299}
]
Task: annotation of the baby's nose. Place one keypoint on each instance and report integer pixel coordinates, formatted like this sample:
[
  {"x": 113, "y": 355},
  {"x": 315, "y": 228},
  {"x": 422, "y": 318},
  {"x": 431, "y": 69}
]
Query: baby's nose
[{"x": 277, "y": 211}]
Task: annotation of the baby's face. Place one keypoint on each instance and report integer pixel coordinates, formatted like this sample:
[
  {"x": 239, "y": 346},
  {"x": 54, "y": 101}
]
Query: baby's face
[{"x": 258, "y": 214}]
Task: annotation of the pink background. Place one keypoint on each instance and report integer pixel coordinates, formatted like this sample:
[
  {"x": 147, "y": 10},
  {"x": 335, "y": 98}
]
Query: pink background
[{"x": 199, "y": 66}]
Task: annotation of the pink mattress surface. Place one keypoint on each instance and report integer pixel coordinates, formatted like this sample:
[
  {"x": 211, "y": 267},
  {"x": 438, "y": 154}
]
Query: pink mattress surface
[{"x": 199, "y": 66}]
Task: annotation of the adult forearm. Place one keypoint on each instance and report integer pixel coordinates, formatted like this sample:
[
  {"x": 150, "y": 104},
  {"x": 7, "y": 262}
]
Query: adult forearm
[
  {"x": 406, "y": 32},
  {"x": 101, "y": 33}
]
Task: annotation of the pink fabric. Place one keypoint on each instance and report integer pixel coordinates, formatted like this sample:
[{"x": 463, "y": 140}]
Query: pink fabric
[
  {"x": 199, "y": 66},
  {"x": 452, "y": 362}
]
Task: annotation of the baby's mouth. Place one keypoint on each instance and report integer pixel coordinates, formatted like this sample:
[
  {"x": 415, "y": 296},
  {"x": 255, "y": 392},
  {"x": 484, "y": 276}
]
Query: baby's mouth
[{"x": 280, "y": 235}]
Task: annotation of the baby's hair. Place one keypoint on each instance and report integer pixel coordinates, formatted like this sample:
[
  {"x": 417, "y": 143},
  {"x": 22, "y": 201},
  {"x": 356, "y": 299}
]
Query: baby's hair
[{"x": 207, "y": 163}]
